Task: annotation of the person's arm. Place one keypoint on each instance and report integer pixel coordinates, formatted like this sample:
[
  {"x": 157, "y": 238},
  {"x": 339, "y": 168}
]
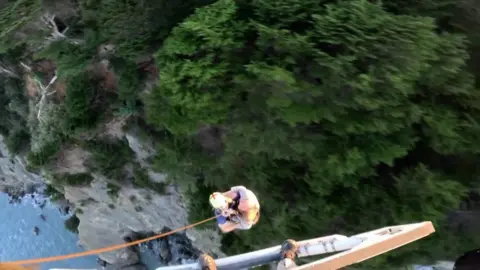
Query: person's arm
[
  {"x": 230, "y": 194},
  {"x": 235, "y": 191},
  {"x": 247, "y": 199}
]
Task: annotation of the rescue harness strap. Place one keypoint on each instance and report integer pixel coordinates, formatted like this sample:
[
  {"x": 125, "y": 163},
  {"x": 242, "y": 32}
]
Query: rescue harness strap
[{"x": 105, "y": 249}]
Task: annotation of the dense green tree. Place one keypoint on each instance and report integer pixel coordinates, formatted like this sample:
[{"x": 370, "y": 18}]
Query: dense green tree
[
  {"x": 72, "y": 59},
  {"x": 13, "y": 105},
  {"x": 313, "y": 106},
  {"x": 83, "y": 102},
  {"x": 343, "y": 116},
  {"x": 13, "y": 16},
  {"x": 109, "y": 157},
  {"x": 130, "y": 85},
  {"x": 450, "y": 16},
  {"x": 136, "y": 27}
]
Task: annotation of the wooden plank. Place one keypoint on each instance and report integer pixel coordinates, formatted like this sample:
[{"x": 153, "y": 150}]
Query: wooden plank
[{"x": 376, "y": 247}]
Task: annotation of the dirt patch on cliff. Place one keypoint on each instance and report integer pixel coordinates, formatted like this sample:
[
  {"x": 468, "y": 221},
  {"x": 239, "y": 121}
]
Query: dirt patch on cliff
[
  {"x": 60, "y": 88},
  {"x": 31, "y": 86},
  {"x": 47, "y": 68},
  {"x": 71, "y": 160}
]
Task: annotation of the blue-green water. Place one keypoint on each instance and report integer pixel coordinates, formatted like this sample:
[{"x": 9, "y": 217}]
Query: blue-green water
[{"x": 19, "y": 242}]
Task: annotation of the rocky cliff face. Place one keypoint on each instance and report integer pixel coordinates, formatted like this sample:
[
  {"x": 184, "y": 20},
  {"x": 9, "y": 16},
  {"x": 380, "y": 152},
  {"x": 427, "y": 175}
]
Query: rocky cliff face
[
  {"x": 108, "y": 221},
  {"x": 14, "y": 178},
  {"x": 132, "y": 212}
]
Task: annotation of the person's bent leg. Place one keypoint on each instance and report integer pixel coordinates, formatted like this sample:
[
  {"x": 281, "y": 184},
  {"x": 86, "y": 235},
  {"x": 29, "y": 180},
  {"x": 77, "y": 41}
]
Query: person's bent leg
[
  {"x": 242, "y": 225},
  {"x": 286, "y": 264},
  {"x": 227, "y": 226},
  {"x": 206, "y": 262},
  {"x": 289, "y": 253}
]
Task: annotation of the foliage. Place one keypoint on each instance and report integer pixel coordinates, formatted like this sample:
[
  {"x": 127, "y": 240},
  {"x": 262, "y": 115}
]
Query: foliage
[
  {"x": 130, "y": 84},
  {"x": 112, "y": 190},
  {"x": 135, "y": 27},
  {"x": 78, "y": 179},
  {"x": 48, "y": 131},
  {"x": 71, "y": 59},
  {"x": 82, "y": 102},
  {"x": 53, "y": 193},
  {"x": 109, "y": 157},
  {"x": 72, "y": 223},
  {"x": 339, "y": 110},
  {"x": 342, "y": 116},
  {"x": 141, "y": 179},
  {"x": 16, "y": 140},
  {"x": 13, "y": 114},
  {"x": 198, "y": 208},
  {"x": 13, "y": 16},
  {"x": 43, "y": 156}
]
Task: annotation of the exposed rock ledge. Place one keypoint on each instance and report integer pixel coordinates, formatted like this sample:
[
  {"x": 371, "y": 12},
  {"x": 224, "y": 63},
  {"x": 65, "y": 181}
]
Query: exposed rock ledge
[
  {"x": 105, "y": 221},
  {"x": 14, "y": 178}
]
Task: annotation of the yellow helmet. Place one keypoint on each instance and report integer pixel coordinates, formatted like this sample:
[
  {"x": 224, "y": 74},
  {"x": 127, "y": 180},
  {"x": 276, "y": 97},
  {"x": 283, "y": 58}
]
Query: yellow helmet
[{"x": 218, "y": 200}]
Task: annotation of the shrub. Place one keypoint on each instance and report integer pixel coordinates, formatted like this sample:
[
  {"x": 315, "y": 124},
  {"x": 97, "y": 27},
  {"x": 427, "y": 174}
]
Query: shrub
[
  {"x": 53, "y": 193},
  {"x": 120, "y": 21},
  {"x": 49, "y": 131},
  {"x": 42, "y": 157},
  {"x": 109, "y": 157},
  {"x": 50, "y": 190},
  {"x": 82, "y": 102},
  {"x": 142, "y": 180},
  {"x": 112, "y": 190},
  {"x": 72, "y": 223},
  {"x": 78, "y": 179},
  {"x": 13, "y": 113},
  {"x": 17, "y": 140}
]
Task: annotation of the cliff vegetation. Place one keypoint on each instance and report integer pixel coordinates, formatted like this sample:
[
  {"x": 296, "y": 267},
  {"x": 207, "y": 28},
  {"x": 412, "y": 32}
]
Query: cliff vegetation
[{"x": 343, "y": 116}]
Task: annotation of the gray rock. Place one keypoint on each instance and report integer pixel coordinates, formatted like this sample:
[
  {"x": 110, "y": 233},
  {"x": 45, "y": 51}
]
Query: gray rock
[
  {"x": 100, "y": 225},
  {"x": 173, "y": 249},
  {"x": 143, "y": 150},
  {"x": 13, "y": 175},
  {"x": 105, "y": 220}
]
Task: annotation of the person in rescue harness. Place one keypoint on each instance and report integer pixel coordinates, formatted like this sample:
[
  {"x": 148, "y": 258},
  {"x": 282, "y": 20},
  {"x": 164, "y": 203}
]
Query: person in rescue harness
[{"x": 237, "y": 209}]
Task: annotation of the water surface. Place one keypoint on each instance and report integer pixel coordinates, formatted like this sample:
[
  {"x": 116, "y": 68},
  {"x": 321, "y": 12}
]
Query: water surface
[{"x": 18, "y": 241}]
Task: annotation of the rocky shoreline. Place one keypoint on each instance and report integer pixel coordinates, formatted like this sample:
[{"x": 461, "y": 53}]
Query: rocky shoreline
[
  {"x": 106, "y": 220},
  {"x": 171, "y": 250},
  {"x": 16, "y": 196}
]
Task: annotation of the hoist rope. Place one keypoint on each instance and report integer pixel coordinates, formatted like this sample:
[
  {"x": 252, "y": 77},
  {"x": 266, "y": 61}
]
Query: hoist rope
[{"x": 105, "y": 249}]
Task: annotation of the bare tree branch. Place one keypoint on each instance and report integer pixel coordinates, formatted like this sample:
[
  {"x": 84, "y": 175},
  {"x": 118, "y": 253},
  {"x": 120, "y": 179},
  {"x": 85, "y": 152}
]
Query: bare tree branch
[
  {"x": 44, "y": 93},
  {"x": 55, "y": 35},
  {"x": 8, "y": 72},
  {"x": 26, "y": 67},
  {"x": 49, "y": 20}
]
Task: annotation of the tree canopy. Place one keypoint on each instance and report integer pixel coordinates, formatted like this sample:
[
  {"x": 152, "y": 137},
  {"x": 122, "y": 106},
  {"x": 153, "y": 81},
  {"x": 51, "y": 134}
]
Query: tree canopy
[
  {"x": 342, "y": 116},
  {"x": 336, "y": 114}
]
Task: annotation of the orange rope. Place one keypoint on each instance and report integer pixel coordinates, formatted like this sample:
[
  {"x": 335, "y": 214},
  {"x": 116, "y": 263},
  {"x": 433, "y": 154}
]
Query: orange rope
[
  {"x": 9, "y": 266},
  {"x": 105, "y": 249}
]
